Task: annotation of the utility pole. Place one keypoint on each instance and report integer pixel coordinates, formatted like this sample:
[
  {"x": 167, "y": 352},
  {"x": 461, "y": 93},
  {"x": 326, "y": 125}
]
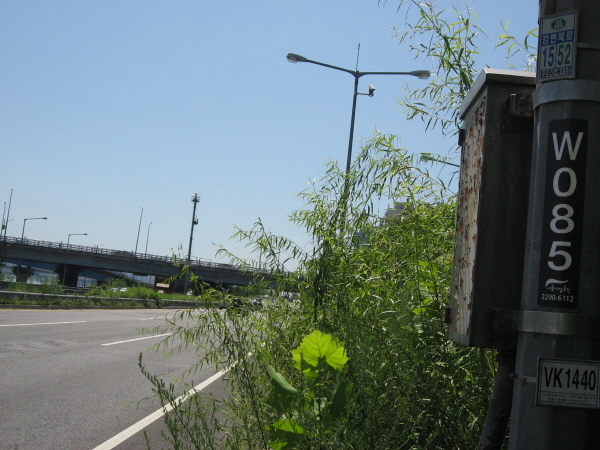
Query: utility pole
[
  {"x": 556, "y": 402},
  {"x": 195, "y": 201}
]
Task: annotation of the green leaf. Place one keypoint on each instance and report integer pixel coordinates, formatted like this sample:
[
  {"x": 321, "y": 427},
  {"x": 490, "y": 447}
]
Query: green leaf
[
  {"x": 339, "y": 402},
  {"x": 284, "y": 395},
  {"x": 288, "y": 425},
  {"x": 280, "y": 383},
  {"x": 284, "y": 434},
  {"x": 316, "y": 346}
]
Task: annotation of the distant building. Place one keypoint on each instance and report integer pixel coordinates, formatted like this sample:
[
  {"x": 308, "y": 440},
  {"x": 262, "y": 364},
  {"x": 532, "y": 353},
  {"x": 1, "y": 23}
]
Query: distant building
[{"x": 397, "y": 210}]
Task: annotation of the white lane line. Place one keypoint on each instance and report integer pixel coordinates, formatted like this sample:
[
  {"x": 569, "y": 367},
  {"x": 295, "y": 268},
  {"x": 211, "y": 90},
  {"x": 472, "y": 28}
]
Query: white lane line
[
  {"x": 48, "y": 323},
  {"x": 137, "y": 339},
  {"x": 165, "y": 316},
  {"x": 136, "y": 427}
]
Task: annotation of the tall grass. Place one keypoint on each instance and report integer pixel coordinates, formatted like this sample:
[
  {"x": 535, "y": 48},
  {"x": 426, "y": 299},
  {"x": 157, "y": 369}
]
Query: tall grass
[{"x": 379, "y": 289}]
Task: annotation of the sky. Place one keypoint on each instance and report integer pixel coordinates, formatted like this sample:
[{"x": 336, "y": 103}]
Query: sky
[{"x": 113, "y": 114}]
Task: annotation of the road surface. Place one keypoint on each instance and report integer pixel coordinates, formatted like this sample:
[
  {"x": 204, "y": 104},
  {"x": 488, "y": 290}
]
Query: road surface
[{"x": 69, "y": 379}]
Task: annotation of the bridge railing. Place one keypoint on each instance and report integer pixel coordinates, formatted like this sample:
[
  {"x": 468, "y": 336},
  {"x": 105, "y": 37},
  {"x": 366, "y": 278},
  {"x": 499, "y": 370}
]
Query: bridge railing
[{"x": 95, "y": 250}]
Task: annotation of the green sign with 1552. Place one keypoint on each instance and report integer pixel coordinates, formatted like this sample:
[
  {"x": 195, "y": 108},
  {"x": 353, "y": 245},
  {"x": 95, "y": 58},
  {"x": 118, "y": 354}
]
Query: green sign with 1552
[{"x": 557, "y": 47}]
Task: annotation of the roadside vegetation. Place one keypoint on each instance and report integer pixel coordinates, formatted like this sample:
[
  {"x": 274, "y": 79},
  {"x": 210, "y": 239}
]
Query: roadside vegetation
[
  {"x": 118, "y": 293},
  {"x": 361, "y": 361},
  {"x": 80, "y": 302},
  {"x": 113, "y": 293}
]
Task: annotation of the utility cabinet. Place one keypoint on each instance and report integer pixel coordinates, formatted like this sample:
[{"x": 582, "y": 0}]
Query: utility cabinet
[{"x": 489, "y": 245}]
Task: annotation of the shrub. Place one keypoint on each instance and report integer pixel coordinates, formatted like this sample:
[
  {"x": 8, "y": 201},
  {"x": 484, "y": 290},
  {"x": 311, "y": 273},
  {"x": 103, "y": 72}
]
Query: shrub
[{"x": 380, "y": 288}]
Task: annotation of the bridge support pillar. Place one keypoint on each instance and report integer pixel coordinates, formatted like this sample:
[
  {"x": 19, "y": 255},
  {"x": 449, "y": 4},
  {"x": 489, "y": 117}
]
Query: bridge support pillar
[
  {"x": 68, "y": 276},
  {"x": 23, "y": 273}
]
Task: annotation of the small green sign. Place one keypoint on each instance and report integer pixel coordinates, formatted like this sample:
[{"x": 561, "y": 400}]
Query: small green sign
[{"x": 557, "y": 47}]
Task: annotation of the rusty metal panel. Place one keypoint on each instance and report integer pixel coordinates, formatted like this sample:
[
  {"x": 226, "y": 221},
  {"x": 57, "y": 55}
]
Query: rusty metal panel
[
  {"x": 491, "y": 209},
  {"x": 466, "y": 223}
]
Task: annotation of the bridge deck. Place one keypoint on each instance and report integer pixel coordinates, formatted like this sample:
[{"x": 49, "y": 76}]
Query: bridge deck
[{"x": 124, "y": 261}]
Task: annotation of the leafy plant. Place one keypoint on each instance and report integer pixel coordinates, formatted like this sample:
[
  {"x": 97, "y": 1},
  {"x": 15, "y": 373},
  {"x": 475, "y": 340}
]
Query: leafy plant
[
  {"x": 450, "y": 41},
  {"x": 380, "y": 286},
  {"x": 321, "y": 359},
  {"x": 525, "y": 51},
  {"x": 377, "y": 280}
]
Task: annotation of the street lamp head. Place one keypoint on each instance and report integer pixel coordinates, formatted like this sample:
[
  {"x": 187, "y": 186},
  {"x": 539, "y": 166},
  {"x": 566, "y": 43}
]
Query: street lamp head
[
  {"x": 293, "y": 58},
  {"x": 421, "y": 74}
]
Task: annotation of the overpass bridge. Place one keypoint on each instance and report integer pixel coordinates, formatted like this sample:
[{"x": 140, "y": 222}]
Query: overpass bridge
[{"x": 71, "y": 259}]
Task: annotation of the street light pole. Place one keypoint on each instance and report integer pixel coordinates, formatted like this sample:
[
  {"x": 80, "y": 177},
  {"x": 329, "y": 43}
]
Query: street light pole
[
  {"x": 195, "y": 201},
  {"x": 139, "y": 228},
  {"x": 68, "y": 243},
  {"x": 7, "y": 215},
  {"x": 421, "y": 74},
  {"x": 3, "y": 213},
  {"x": 22, "y": 236},
  {"x": 147, "y": 236}
]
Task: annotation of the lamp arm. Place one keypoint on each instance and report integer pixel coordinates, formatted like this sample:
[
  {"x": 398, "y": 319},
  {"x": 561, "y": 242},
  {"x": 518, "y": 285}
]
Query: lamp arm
[{"x": 351, "y": 72}]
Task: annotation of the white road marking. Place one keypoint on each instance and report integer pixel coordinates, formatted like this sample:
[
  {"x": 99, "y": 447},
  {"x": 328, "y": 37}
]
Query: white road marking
[
  {"x": 136, "y": 427},
  {"x": 48, "y": 323},
  {"x": 137, "y": 339},
  {"x": 164, "y": 316}
]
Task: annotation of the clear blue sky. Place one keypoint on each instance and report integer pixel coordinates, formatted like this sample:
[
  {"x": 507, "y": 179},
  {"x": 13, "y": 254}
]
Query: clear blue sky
[{"x": 108, "y": 106}]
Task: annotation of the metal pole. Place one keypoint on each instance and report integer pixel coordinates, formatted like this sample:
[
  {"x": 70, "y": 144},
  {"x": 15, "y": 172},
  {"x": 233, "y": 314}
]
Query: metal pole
[
  {"x": 22, "y": 237},
  {"x": 561, "y": 278},
  {"x": 498, "y": 413},
  {"x": 349, "y": 157},
  {"x": 20, "y": 250},
  {"x": 8, "y": 214},
  {"x": 422, "y": 74},
  {"x": 138, "y": 234},
  {"x": 147, "y": 236},
  {"x": 195, "y": 200},
  {"x": 3, "y": 214}
]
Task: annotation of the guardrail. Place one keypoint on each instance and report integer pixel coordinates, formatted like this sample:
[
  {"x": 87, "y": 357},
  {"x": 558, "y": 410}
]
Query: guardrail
[{"x": 194, "y": 262}]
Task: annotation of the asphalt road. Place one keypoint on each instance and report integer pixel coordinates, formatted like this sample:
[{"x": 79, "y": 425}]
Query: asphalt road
[{"x": 62, "y": 387}]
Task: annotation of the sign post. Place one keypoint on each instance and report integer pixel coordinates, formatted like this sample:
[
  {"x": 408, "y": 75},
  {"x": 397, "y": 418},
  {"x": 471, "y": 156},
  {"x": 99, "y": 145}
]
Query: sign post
[
  {"x": 555, "y": 401},
  {"x": 557, "y": 47}
]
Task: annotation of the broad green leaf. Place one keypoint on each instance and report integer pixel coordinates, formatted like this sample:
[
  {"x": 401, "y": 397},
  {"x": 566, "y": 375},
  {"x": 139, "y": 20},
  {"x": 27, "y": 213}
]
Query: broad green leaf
[
  {"x": 288, "y": 425},
  {"x": 283, "y": 395},
  {"x": 338, "y": 404},
  {"x": 318, "y": 345},
  {"x": 280, "y": 383},
  {"x": 284, "y": 434}
]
